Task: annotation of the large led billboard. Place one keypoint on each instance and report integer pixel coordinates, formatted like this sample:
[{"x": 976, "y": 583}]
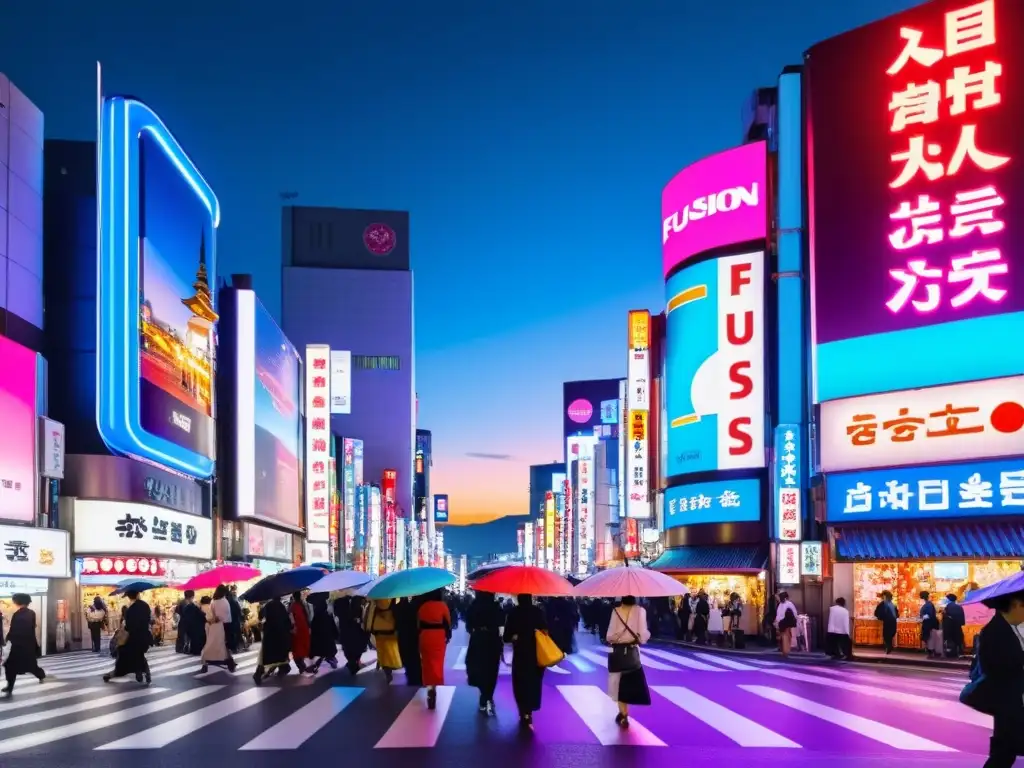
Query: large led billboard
[
  {"x": 917, "y": 198},
  {"x": 587, "y": 404},
  {"x": 714, "y": 365},
  {"x": 157, "y": 223},
  {"x": 18, "y": 445}
]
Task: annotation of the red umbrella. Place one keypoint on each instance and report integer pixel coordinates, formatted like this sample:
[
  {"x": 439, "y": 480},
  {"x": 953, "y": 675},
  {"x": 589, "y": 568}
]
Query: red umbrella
[
  {"x": 222, "y": 574},
  {"x": 524, "y": 580}
]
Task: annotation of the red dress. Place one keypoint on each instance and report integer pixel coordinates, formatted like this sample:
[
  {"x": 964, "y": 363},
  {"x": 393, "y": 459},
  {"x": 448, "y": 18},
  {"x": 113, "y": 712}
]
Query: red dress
[
  {"x": 435, "y": 624},
  {"x": 300, "y": 633}
]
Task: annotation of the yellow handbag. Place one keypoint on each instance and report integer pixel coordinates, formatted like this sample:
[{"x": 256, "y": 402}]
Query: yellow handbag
[{"x": 548, "y": 653}]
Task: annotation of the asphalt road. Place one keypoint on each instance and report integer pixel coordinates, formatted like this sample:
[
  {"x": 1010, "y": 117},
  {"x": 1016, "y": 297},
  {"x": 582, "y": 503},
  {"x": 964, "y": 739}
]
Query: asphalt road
[{"x": 708, "y": 709}]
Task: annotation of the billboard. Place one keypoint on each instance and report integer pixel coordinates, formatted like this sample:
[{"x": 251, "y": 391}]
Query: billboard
[
  {"x": 959, "y": 422},
  {"x": 976, "y": 489},
  {"x": 348, "y": 492},
  {"x": 17, "y": 448},
  {"x": 916, "y": 118},
  {"x": 318, "y": 442},
  {"x": 268, "y": 423},
  {"x": 714, "y": 366},
  {"x": 717, "y": 501},
  {"x": 341, "y": 381},
  {"x": 549, "y": 531},
  {"x": 157, "y": 223},
  {"x": 718, "y": 201},
  {"x": 582, "y": 404},
  {"x": 440, "y": 508},
  {"x": 789, "y": 485}
]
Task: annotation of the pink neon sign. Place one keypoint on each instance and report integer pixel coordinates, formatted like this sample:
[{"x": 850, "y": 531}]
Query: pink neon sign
[{"x": 942, "y": 88}]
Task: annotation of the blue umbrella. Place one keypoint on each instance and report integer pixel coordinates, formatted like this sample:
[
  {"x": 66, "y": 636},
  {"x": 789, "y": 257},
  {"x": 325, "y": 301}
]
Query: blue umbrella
[
  {"x": 415, "y": 581},
  {"x": 325, "y": 566},
  {"x": 284, "y": 583},
  {"x": 136, "y": 585}
]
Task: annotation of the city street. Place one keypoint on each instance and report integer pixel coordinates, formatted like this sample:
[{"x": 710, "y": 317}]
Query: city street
[{"x": 707, "y": 708}]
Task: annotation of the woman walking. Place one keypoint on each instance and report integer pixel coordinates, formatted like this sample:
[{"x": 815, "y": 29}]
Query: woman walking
[
  {"x": 95, "y": 615},
  {"x": 133, "y": 640},
  {"x": 627, "y": 683},
  {"x": 380, "y": 623},
  {"x": 21, "y": 634},
  {"x": 277, "y": 640},
  {"x": 527, "y": 676},
  {"x": 323, "y": 641},
  {"x": 299, "y": 611},
  {"x": 407, "y": 623},
  {"x": 483, "y": 657},
  {"x": 352, "y": 636},
  {"x": 218, "y": 616},
  {"x": 1000, "y": 661},
  {"x": 435, "y": 625}
]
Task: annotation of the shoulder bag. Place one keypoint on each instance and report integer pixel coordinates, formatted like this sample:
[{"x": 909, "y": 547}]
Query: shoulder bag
[{"x": 625, "y": 657}]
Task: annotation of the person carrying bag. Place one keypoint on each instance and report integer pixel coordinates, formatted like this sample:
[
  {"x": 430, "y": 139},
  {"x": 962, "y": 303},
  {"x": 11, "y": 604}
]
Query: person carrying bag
[{"x": 627, "y": 683}]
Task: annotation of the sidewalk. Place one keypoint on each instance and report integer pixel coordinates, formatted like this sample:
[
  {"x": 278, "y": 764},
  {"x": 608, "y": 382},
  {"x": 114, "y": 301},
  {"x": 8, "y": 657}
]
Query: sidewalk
[{"x": 864, "y": 655}]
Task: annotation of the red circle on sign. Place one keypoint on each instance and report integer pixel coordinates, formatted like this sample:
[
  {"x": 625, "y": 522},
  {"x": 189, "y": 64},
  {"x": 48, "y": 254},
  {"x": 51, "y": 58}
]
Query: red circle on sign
[{"x": 1008, "y": 417}]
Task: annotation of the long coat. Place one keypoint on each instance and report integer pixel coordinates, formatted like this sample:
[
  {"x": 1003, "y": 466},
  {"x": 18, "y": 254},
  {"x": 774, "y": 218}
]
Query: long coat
[
  {"x": 483, "y": 657},
  {"x": 24, "y": 646},
  {"x": 527, "y": 676},
  {"x": 131, "y": 657},
  {"x": 277, "y": 634}
]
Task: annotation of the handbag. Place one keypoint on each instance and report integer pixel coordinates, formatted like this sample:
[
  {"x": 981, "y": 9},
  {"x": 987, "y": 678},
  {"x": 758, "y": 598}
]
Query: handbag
[
  {"x": 548, "y": 652},
  {"x": 121, "y": 637},
  {"x": 625, "y": 657}
]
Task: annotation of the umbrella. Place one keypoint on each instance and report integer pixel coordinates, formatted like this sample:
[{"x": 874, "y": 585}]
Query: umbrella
[
  {"x": 483, "y": 570},
  {"x": 524, "y": 579},
  {"x": 415, "y": 581},
  {"x": 222, "y": 574},
  {"x": 1007, "y": 586},
  {"x": 325, "y": 566},
  {"x": 638, "y": 582},
  {"x": 339, "y": 580},
  {"x": 136, "y": 585},
  {"x": 280, "y": 584}
]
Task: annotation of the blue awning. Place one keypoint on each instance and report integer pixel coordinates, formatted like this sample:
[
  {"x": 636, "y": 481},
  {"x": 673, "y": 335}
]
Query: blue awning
[
  {"x": 981, "y": 541},
  {"x": 715, "y": 559}
]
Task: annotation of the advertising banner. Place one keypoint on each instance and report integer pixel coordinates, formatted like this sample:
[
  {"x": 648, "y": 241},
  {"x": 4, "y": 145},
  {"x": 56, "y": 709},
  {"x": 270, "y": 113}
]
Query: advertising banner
[
  {"x": 440, "y": 508},
  {"x": 348, "y": 495},
  {"x": 51, "y": 450},
  {"x": 35, "y": 552},
  {"x": 318, "y": 442},
  {"x": 789, "y": 563},
  {"x": 977, "y": 489},
  {"x": 811, "y": 553},
  {"x": 122, "y": 528},
  {"x": 549, "y": 529},
  {"x": 959, "y": 422},
  {"x": 389, "y": 486},
  {"x": 638, "y": 504},
  {"x": 718, "y": 201},
  {"x": 528, "y": 544},
  {"x": 585, "y": 514},
  {"x": 362, "y": 523},
  {"x": 638, "y": 366},
  {"x": 789, "y": 486},
  {"x": 716, "y": 501},
  {"x": 922, "y": 251},
  {"x": 564, "y": 497},
  {"x": 374, "y": 543},
  {"x": 18, "y": 445},
  {"x": 582, "y": 405},
  {"x": 341, "y": 381},
  {"x": 714, "y": 367}
]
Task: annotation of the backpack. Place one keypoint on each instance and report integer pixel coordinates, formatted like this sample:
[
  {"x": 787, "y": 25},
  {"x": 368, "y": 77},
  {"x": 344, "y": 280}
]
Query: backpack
[{"x": 788, "y": 619}]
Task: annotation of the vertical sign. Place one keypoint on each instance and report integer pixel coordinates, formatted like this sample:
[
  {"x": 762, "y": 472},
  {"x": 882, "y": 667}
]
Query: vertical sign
[
  {"x": 341, "y": 381},
  {"x": 789, "y": 563},
  {"x": 528, "y": 544},
  {"x": 348, "y": 481},
  {"x": 549, "y": 530},
  {"x": 375, "y": 562},
  {"x": 620, "y": 475},
  {"x": 638, "y": 504},
  {"x": 788, "y": 483},
  {"x": 569, "y": 513},
  {"x": 811, "y": 553},
  {"x": 520, "y": 542},
  {"x": 585, "y": 515},
  {"x": 638, "y": 401},
  {"x": 335, "y": 503},
  {"x": 318, "y": 443},
  {"x": 362, "y": 507},
  {"x": 389, "y": 484}
]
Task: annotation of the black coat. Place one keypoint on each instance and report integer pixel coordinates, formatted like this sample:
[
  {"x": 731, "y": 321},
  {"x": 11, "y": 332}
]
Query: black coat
[
  {"x": 131, "y": 657},
  {"x": 277, "y": 634},
  {"x": 24, "y": 646},
  {"x": 323, "y": 632},
  {"x": 483, "y": 657},
  {"x": 527, "y": 676},
  {"x": 1002, "y": 662}
]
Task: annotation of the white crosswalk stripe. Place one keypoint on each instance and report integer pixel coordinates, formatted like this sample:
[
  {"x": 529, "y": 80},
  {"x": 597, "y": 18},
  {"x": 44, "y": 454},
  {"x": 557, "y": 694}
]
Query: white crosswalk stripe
[
  {"x": 598, "y": 712},
  {"x": 740, "y": 729}
]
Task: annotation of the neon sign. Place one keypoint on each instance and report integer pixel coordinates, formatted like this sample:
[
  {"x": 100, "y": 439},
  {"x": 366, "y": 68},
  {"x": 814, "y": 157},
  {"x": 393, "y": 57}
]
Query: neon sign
[{"x": 971, "y": 91}]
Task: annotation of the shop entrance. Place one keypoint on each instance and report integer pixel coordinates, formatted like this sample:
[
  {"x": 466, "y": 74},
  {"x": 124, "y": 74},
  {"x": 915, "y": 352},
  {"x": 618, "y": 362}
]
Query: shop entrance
[{"x": 719, "y": 587}]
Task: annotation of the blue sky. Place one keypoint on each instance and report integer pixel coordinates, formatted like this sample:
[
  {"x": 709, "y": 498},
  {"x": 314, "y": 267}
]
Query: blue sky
[{"x": 529, "y": 141}]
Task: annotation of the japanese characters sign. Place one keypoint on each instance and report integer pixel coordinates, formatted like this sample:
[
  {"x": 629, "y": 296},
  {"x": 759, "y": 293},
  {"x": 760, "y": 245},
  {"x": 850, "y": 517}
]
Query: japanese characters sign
[
  {"x": 959, "y": 422},
  {"x": 811, "y": 554},
  {"x": 638, "y": 364},
  {"x": 719, "y": 501},
  {"x": 121, "y": 567},
  {"x": 34, "y": 552},
  {"x": 585, "y": 523},
  {"x": 789, "y": 486},
  {"x": 318, "y": 442},
  {"x": 916, "y": 119},
  {"x": 51, "y": 448},
  {"x": 714, "y": 366},
  {"x": 528, "y": 544},
  {"x": 549, "y": 530},
  {"x": 638, "y": 502},
  {"x": 789, "y": 563},
  {"x": 977, "y": 489},
  {"x": 122, "y": 528}
]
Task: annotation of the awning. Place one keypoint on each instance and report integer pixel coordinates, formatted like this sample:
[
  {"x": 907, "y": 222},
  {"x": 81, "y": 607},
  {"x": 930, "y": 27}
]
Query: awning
[
  {"x": 978, "y": 541},
  {"x": 714, "y": 559}
]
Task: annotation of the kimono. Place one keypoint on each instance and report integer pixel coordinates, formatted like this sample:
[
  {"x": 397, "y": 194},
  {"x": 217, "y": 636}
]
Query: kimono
[
  {"x": 352, "y": 636},
  {"x": 323, "y": 643},
  {"x": 435, "y": 623},
  {"x": 484, "y": 655},
  {"x": 277, "y": 638},
  {"x": 409, "y": 639},
  {"x": 380, "y": 622},
  {"x": 218, "y": 617},
  {"x": 131, "y": 657},
  {"x": 527, "y": 677},
  {"x": 300, "y": 632}
]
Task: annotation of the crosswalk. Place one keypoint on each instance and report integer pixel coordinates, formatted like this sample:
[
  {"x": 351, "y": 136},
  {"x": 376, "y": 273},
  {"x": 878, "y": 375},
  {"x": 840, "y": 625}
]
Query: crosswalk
[{"x": 772, "y": 706}]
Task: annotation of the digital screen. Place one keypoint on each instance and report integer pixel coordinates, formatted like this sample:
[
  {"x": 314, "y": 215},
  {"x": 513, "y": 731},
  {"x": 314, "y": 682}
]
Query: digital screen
[
  {"x": 177, "y": 317},
  {"x": 278, "y": 423},
  {"x": 719, "y": 501},
  {"x": 18, "y": 416},
  {"x": 583, "y": 404},
  {"x": 440, "y": 508}
]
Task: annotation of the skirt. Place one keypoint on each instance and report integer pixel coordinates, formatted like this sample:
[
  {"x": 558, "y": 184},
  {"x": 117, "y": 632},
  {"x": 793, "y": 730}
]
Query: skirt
[{"x": 629, "y": 687}]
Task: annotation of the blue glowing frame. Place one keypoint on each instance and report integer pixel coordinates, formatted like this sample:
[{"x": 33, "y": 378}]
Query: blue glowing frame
[{"x": 122, "y": 121}]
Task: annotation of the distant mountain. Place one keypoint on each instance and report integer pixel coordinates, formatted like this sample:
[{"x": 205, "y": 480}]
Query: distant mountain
[{"x": 481, "y": 539}]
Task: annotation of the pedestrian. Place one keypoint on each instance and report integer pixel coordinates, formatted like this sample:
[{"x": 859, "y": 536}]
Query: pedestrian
[
  {"x": 380, "y": 623},
  {"x": 132, "y": 641},
  {"x": 191, "y": 626},
  {"x": 627, "y": 683},
  {"x": 323, "y": 633},
  {"x": 277, "y": 639},
  {"x": 299, "y": 612},
  {"x": 21, "y": 634},
  {"x": 953, "y": 621},
  {"x": 435, "y": 626},
  {"x": 886, "y": 613},
  {"x": 930, "y": 632},
  {"x": 1000, "y": 677},
  {"x": 351, "y": 635},
  {"x": 407, "y": 624},
  {"x": 484, "y": 621},
  {"x": 521, "y": 629},
  {"x": 839, "y": 644},
  {"x": 716, "y": 625},
  {"x": 95, "y": 615},
  {"x": 236, "y": 629},
  {"x": 218, "y": 617},
  {"x": 702, "y": 611},
  {"x": 785, "y": 622}
]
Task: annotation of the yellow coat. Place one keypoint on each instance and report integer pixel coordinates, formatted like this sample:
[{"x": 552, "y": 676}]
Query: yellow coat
[{"x": 380, "y": 622}]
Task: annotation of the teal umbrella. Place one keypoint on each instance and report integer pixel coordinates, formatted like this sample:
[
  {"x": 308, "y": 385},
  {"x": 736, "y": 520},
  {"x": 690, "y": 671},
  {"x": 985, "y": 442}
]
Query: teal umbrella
[{"x": 415, "y": 581}]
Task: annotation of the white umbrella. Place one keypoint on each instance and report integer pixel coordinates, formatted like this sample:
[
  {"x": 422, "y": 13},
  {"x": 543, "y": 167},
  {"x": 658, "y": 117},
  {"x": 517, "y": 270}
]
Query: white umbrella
[
  {"x": 628, "y": 580},
  {"x": 339, "y": 580}
]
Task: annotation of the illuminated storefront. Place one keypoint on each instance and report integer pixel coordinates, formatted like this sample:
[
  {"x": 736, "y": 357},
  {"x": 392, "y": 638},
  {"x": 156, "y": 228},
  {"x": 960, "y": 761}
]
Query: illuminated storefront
[{"x": 29, "y": 558}]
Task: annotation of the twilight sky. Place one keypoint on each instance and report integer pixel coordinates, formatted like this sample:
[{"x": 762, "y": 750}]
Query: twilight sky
[{"x": 529, "y": 141}]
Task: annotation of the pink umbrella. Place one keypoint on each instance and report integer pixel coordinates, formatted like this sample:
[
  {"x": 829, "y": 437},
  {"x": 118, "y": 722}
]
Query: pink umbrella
[
  {"x": 222, "y": 574},
  {"x": 638, "y": 582}
]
